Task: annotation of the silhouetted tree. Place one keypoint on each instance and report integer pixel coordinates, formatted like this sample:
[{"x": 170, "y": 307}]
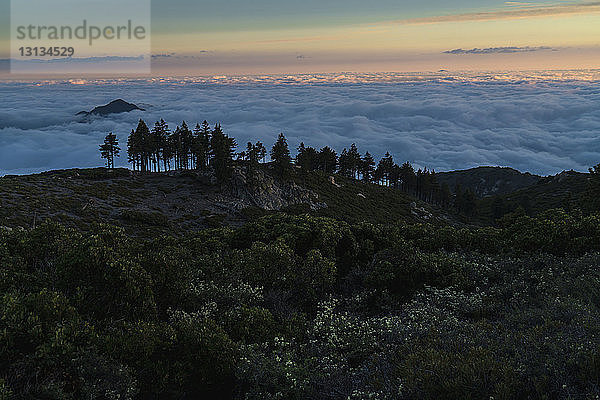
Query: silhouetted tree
[
  {"x": 262, "y": 151},
  {"x": 355, "y": 160},
  {"x": 280, "y": 155},
  {"x": 253, "y": 153},
  {"x": 307, "y": 158},
  {"x": 222, "y": 148},
  {"x": 201, "y": 146},
  {"x": 160, "y": 139},
  {"x": 367, "y": 167},
  {"x": 327, "y": 160},
  {"x": 525, "y": 202},
  {"x": 344, "y": 167},
  {"x": 139, "y": 147},
  {"x": 407, "y": 177},
  {"x": 110, "y": 149},
  {"x": 384, "y": 169}
]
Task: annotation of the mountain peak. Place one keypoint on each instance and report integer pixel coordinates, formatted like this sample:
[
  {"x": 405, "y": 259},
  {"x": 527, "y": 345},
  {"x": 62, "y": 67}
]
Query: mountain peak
[{"x": 114, "y": 107}]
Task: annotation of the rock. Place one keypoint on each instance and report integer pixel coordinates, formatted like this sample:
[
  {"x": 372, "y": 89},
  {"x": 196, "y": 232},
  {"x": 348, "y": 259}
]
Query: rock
[
  {"x": 263, "y": 191},
  {"x": 420, "y": 212},
  {"x": 332, "y": 180}
]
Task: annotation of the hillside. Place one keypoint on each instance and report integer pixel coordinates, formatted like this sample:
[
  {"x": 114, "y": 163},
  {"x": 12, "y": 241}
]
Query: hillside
[
  {"x": 488, "y": 181},
  {"x": 187, "y": 201},
  {"x": 111, "y": 288},
  {"x": 292, "y": 307},
  {"x": 563, "y": 190}
]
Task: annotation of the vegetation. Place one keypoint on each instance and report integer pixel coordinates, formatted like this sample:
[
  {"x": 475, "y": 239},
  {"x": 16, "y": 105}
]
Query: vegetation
[
  {"x": 304, "y": 307},
  {"x": 110, "y": 149},
  {"x": 364, "y": 298}
]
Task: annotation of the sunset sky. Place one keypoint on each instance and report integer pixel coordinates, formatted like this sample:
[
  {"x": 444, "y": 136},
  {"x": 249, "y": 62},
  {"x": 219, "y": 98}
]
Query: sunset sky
[
  {"x": 380, "y": 35},
  {"x": 274, "y": 36}
]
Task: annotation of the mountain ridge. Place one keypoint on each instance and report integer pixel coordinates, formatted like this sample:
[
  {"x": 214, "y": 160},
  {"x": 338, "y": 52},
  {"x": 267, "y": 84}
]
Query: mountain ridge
[{"x": 487, "y": 181}]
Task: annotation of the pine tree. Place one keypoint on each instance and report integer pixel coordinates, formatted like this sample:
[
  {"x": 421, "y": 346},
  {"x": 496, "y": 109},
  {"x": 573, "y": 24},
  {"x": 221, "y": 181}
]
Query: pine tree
[
  {"x": 160, "y": 134},
  {"x": 261, "y": 150},
  {"x": 306, "y": 158},
  {"x": 394, "y": 177},
  {"x": 458, "y": 198},
  {"x": 132, "y": 150},
  {"x": 187, "y": 140},
  {"x": 384, "y": 168},
  {"x": 110, "y": 149},
  {"x": 367, "y": 167},
  {"x": 222, "y": 150},
  {"x": 327, "y": 160},
  {"x": 344, "y": 164},
  {"x": 434, "y": 188},
  {"x": 354, "y": 161},
  {"x": 408, "y": 177},
  {"x": 201, "y": 146},
  {"x": 139, "y": 147},
  {"x": 253, "y": 156},
  {"x": 280, "y": 155}
]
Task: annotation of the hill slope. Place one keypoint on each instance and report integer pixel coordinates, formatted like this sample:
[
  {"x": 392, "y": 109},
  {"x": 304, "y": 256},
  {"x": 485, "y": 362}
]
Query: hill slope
[
  {"x": 563, "y": 190},
  {"x": 488, "y": 181},
  {"x": 149, "y": 204}
]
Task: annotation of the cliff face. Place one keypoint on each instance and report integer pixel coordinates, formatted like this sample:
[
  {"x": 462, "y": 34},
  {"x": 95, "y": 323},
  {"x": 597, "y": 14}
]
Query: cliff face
[{"x": 263, "y": 191}]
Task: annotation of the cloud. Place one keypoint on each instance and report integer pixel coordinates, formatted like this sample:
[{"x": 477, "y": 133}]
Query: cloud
[
  {"x": 515, "y": 11},
  {"x": 70, "y": 60},
  {"x": 499, "y": 50},
  {"x": 542, "y": 128},
  {"x": 165, "y": 55}
]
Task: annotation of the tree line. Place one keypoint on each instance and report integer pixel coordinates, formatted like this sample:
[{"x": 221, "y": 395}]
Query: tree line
[{"x": 204, "y": 148}]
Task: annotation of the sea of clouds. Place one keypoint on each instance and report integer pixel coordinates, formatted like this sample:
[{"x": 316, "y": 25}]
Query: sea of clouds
[{"x": 542, "y": 126}]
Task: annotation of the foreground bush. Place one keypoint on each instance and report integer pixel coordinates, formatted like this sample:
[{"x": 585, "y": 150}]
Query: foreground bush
[{"x": 302, "y": 307}]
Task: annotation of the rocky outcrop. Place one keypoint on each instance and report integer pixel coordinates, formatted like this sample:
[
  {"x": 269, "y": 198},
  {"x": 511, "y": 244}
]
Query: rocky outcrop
[{"x": 264, "y": 191}]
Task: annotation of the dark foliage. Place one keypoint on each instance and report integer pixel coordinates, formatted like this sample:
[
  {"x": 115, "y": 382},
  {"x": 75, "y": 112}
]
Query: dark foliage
[{"x": 304, "y": 307}]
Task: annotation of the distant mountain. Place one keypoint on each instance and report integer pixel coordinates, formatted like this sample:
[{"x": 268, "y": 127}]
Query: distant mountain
[
  {"x": 114, "y": 107},
  {"x": 489, "y": 181},
  {"x": 563, "y": 190}
]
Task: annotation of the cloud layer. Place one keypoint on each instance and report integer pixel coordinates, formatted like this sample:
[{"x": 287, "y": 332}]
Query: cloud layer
[
  {"x": 541, "y": 127},
  {"x": 499, "y": 50}
]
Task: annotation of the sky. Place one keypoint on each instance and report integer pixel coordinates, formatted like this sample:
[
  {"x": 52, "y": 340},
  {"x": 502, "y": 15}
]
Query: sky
[{"x": 280, "y": 36}]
